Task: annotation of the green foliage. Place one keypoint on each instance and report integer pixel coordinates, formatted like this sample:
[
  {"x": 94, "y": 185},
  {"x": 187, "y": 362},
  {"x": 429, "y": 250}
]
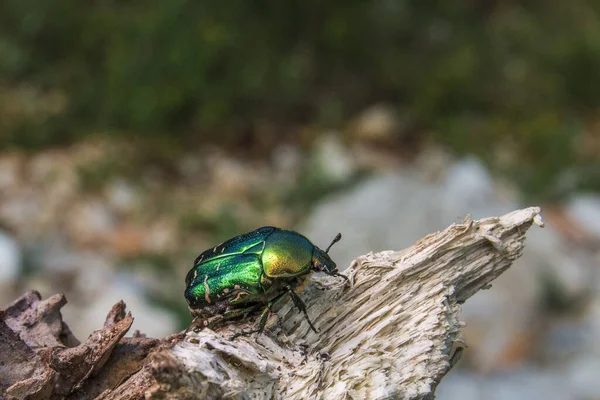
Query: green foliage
[
  {"x": 477, "y": 73},
  {"x": 222, "y": 225},
  {"x": 314, "y": 185}
]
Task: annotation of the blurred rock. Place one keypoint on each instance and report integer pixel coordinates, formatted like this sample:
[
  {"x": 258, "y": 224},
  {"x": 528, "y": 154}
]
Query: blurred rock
[
  {"x": 468, "y": 188},
  {"x": 122, "y": 196},
  {"x": 583, "y": 373},
  {"x": 585, "y": 210},
  {"x": 568, "y": 337},
  {"x": 392, "y": 211},
  {"x": 229, "y": 176},
  {"x": 77, "y": 239},
  {"x": 53, "y": 176},
  {"x": 379, "y": 123},
  {"x": 559, "y": 219},
  {"x": 149, "y": 319},
  {"x": 385, "y": 212},
  {"x": 161, "y": 237},
  {"x": 574, "y": 380},
  {"x": 332, "y": 158},
  {"x": 520, "y": 384},
  {"x": 431, "y": 164},
  {"x": 54, "y": 254},
  {"x": 592, "y": 317},
  {"x": 287, "y": 163},
  {"x": 10, "y": 172},
  {"x": 51, "y": 168},
  {"x": 91, "y": 223},
  {"x": 20, "y": 211},
  {"x": 371, "y": 158},
  {"x": 190, "y": 166},
  {"x": 128, "y": 241},
  {"x": 10, "y": 259},
  {"x": 80, "y": 273}
]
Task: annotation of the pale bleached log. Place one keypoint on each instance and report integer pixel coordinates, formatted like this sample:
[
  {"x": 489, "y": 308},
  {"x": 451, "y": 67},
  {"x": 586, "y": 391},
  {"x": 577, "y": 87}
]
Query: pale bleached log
[{"x": 393, "y": 334}]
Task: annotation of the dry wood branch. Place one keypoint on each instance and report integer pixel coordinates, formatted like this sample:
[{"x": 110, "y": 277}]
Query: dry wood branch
[{"x": 394, "y": 333}]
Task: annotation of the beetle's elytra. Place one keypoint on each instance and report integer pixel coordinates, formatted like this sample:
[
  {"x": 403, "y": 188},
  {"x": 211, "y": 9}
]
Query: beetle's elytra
[{"x": 253, "y": 270}]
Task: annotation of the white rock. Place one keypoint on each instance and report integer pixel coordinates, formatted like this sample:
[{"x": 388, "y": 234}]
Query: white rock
[
  {"x": 9, "y": 172},
  {"x": 287, "y": 163},
  {"x": 585, "y": 209},
  {"x": 148, "y": 319},
  {"x": 583, "y": 374},
  {"x": 521, "y": 384},
  {"x": 333, "y": 159},
  {"x": 392, "y": 211},
  {"x": 468, "y": 188},
  {"x": 229, "y": 176},
  {"x": 55, "y": 256},
  {"x": 21, "y": 211},
  {"x": 122, "y": 196},
  {"x": 161, "y": 237},
  {"x": 10, "y": 259},
  {"x": 386, "y": 212},
  {"x": 91, "y": 222}
]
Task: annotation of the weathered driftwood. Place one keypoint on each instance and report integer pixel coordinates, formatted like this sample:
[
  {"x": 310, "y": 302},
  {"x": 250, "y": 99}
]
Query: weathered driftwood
[{"x": 394, "y": 333}]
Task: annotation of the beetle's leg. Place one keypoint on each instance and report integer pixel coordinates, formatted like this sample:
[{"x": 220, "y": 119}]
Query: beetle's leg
[
  {"x": 235, "y": 313},
  {"x": 338, "y": 274},
  {"x": 193, "y": 324},
  {"x": 211, "y": 322},
  {"x": 261, "y": 325},
  {"x": 301, "y": 306},
  {"x": 263, "y": 318},
  {"x": 198, "y": 323}
]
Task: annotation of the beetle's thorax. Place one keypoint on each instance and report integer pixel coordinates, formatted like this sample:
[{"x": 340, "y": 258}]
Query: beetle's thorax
[{"x": 286, "y": 254}]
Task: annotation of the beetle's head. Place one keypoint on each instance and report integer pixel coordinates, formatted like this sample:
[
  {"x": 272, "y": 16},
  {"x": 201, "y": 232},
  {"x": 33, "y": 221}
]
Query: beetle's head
[{"x": 321, "y": 262}]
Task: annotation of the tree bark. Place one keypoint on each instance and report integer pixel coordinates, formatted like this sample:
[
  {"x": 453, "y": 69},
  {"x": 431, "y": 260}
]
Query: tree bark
[{"x": 394, "y": 332}]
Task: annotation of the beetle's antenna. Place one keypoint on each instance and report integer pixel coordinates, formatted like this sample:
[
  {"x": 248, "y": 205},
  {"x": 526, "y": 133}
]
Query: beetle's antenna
[{"x": 334, "y": 241}]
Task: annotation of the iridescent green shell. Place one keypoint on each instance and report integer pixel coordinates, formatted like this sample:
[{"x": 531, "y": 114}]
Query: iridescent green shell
[
  {"x": 247, "y": 264},
  {"x": 286, "y": 254}
]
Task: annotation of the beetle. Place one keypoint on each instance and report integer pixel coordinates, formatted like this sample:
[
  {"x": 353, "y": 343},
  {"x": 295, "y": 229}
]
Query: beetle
[{"x": 253, "y": 270}]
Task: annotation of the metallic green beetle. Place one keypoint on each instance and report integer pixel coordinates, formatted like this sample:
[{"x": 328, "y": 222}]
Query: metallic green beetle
[{"x": 253, "y": 270}]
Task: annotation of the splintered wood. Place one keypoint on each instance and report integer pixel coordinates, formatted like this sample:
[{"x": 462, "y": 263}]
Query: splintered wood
[{"x": 394, "y": 332}]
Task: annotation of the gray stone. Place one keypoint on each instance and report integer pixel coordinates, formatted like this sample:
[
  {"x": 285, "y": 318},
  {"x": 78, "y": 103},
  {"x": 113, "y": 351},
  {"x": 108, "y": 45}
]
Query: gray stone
[
  {"x": 468, "y": 188},
  {"x": 149, "y": 319},
  {"x": 287, "y": 162},
  {"x": 527, "y": 383},
  {"x": 21, "y": 211},
  {"x": 392, "y": 211},
  {"x": 10, "y": 176},
  {"x": 10, "y": 258},
  {"x": 585, "y": 210},
  {"x": 91, "y": 222},
  {"x": 583, "y": 373},
  {"x": 332, "y": 158},
  {"x": 122, "y": 196},
  {"x": 385, "y": 212}
]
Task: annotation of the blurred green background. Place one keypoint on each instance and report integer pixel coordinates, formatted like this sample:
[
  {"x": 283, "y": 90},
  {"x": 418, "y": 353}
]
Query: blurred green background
[
  {"x": 134, "y": 135},
  {"x": 482, "y": 77}
]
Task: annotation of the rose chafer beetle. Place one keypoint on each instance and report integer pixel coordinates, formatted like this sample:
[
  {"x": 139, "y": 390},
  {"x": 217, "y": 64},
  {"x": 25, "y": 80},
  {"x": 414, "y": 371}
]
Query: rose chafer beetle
[{"x": 251, "y": 271}]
